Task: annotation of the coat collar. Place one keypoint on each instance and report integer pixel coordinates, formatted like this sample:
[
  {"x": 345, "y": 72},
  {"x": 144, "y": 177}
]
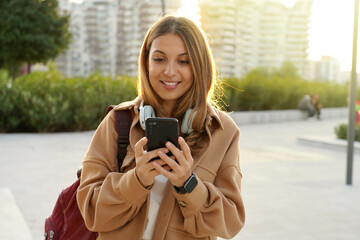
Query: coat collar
[{"x": 213, "y": 113}]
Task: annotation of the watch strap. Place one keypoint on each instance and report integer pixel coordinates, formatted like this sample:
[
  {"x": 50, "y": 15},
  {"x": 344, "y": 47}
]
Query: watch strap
[{"x": 189, "y": 185}]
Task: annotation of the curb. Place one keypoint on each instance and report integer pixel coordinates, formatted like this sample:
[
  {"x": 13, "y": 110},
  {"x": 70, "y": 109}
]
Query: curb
[
  {"x": 328, "y": 143},
  {"x": 256, "y": 117}
]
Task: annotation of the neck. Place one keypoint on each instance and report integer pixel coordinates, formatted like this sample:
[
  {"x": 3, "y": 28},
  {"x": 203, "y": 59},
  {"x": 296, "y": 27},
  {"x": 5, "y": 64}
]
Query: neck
[{"x": 168, "y": 107}]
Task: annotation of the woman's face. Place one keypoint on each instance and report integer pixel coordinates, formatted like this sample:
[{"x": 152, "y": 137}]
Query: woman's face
[{"x": 170, "y": 71}]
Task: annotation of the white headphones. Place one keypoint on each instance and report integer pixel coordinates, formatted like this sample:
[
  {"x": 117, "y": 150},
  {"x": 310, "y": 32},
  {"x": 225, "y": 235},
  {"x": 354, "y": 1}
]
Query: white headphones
[{"x": 147, "y": 111}]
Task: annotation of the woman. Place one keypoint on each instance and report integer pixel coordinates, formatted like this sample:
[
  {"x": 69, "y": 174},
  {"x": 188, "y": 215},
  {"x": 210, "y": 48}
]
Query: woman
[{"x": 198, "y": 195}]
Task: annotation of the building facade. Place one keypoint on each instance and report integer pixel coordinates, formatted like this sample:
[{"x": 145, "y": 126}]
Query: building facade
[
  {"x": 263, "y": 33},
  {"x": 107, "y": 34},
  {"x": 326, "y": 69},
  {"x": 243, "y": 34},
  {"x": 134, "y": 18}
]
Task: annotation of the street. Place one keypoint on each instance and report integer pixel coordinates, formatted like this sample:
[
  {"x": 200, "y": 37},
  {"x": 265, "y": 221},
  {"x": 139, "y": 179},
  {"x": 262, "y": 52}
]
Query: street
[{"x": 291, "y": 190}]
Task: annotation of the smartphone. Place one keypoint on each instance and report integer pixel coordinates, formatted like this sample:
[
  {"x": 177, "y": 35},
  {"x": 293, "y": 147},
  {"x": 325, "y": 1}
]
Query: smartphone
[{"x": 161, "y": 130}]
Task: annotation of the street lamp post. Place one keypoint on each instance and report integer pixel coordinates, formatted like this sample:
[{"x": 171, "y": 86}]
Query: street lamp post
[
  {"x": 352, "y": 92},
  {"x": 163, "y": 7}
]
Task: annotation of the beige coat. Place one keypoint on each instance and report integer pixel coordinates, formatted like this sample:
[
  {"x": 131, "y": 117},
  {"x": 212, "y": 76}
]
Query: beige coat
[{"x": 116, "y": 204}]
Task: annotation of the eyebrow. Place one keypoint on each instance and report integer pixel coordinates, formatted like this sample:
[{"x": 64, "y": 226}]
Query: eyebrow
[{"x": 159, "y": 51}]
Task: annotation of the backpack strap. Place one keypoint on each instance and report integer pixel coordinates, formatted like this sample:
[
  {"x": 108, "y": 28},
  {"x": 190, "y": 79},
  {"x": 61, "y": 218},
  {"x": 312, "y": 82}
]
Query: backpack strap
[{"x": 123, "y": 120}]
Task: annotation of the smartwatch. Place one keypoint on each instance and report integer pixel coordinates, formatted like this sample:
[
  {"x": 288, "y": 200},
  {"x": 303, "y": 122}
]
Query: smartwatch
[{"x": 189, "y": 185}]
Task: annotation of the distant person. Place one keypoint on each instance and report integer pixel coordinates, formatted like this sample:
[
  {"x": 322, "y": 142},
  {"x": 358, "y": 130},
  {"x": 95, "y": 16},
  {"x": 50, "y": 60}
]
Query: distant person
[
  {"x": 198, "y": 196},
  {"x": 315, "y": 101},
  {"x": 310, "y": 104}
]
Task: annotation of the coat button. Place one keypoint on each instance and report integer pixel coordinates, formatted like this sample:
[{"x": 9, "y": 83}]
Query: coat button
[{"x": 182, "y": 204}]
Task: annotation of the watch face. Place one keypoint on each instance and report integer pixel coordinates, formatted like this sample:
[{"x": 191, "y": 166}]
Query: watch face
[{"x": 191, "y": 184}]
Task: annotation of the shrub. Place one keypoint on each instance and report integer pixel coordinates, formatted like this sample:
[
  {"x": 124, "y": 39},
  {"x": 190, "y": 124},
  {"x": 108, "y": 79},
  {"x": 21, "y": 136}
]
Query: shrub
[
  {"x": 9, "y": 117},
  {"x": 263, "y": 89},
  {"x": 341, "y": 131},
  {"x": 46, "y": 102}
]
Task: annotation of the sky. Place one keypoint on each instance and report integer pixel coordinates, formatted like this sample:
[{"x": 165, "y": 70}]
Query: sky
[{"x": 331, "y": 30}]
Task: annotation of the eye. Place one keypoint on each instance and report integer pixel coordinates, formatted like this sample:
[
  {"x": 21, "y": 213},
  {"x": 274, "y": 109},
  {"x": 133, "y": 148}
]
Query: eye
[
  {"x": 158, "y": 59},
  {"x": 184, "y": 61}
]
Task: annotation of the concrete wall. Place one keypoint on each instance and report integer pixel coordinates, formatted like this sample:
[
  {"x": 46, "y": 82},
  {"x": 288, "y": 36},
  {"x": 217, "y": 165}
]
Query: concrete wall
[{"x": 255, "y": 117}]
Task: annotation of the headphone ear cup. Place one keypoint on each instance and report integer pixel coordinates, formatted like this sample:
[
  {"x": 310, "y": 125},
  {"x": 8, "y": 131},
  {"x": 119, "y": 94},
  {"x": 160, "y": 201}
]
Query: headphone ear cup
[
  {"x": 186, "y": 125},
  {"x": 145, "y": 112}
]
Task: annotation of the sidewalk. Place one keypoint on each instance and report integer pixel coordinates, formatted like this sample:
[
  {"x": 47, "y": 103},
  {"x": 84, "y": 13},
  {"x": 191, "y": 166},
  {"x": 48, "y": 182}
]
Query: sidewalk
[{"x": 291, "y": 190}]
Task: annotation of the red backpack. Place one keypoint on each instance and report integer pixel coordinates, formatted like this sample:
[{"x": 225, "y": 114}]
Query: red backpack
[{"x": 66, "y": 222}]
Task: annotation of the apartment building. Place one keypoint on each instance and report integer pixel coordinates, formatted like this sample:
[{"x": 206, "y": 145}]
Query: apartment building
[
  {"x": 243, "y": 34},
  {"x": 76, "y": 61},
  {"x": 327, "y": 69},
  {"x": 247, "y": 51},
  {"x": 93, "y": 47},
  {"x": 133, "y": 20},
  {"x": 272, "y": 31},
  {"x": 218, "y": 19},
  {"x": 264, "y": 33},
  {"x": 107, "y": 34},
  {"x": 297, "y": 36},
  {"x": 100, "y": 25}
]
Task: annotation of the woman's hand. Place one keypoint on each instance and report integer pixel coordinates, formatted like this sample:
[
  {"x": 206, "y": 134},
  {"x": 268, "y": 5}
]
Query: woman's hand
[
  {"x": 144, "y": 169},
  {"x": 179, "y": 171}
]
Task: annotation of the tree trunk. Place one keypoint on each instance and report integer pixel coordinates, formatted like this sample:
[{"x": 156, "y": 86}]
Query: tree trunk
[{"x": 28, "y": 70}]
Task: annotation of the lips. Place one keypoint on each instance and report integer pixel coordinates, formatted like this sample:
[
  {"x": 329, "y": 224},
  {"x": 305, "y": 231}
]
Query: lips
[{"x": 170, "y": 84}]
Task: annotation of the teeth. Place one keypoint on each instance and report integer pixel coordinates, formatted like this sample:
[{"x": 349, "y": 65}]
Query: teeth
[{"x": 170, "y": 83}]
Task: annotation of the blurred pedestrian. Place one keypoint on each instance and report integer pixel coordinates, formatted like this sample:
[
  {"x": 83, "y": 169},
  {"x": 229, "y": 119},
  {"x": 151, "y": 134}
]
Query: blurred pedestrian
[
  {"x": 311, "y": 105},
  {"x": 315, "y": 101},
  {"x": 198, "y": 196}
]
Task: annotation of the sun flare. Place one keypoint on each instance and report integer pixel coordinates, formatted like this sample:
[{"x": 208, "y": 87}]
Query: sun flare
[
  {"x": 331, "y": 31},
  {"x": 190, "y": 9}
]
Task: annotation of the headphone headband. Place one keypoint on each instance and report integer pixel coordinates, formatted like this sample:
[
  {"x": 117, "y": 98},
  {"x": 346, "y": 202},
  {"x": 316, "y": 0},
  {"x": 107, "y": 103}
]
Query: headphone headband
[{"x": 148, "y": 111}]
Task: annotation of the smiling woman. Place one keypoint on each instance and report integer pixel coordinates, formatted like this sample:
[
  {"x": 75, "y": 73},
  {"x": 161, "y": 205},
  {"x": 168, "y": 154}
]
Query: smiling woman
[{"x": 181, "y": 196}]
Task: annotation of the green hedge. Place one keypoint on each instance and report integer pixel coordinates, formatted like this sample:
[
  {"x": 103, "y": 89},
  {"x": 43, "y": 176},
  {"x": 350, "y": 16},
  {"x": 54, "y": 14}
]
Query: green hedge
[
  {"x": 262, "y": 89},
  {"x": 46, "y": 102}
]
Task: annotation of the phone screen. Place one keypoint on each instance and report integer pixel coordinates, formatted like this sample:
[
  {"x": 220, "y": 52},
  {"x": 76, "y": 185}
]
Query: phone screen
[{"x": 161, "y": 130}]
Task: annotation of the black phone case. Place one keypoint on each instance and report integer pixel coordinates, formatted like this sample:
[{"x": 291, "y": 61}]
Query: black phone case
[{"x": 160, "y": 130}]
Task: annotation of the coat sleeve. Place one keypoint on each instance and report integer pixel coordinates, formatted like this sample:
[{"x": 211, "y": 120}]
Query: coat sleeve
[
  {"x": 107, "y": 199},
  {"x": 217, "y": 209}
]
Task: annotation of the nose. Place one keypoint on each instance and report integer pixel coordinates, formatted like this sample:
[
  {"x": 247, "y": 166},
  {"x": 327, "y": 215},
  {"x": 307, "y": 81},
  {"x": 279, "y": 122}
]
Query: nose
[{"x": 170, "y": 69}]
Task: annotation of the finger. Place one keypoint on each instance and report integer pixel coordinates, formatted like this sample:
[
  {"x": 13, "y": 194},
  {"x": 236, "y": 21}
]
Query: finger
[
  {"x": 139, "y": 147},
  {"x": 177, "y": 153},
  {"x": 155, "y": 153},
  {"x": 160, "y": 162},
  {"x": 185, "y": 149},
  {"x": 166, "y": 173},
  {"x": 170, "y": 161},
  {"x": 167, "y": 168},
  {"x": 173, "y": 149}
]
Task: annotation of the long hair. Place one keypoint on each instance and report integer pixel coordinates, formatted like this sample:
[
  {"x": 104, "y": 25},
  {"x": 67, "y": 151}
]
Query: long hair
[{"x": 202, "y": 64}]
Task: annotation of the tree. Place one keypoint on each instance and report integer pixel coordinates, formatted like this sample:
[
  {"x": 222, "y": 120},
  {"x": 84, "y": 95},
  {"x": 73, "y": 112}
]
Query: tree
[{"x": 31, "y": 31}]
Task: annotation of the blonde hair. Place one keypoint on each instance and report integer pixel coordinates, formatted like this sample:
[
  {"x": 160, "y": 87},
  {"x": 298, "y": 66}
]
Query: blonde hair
[{"x": 203, "y": 67}]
